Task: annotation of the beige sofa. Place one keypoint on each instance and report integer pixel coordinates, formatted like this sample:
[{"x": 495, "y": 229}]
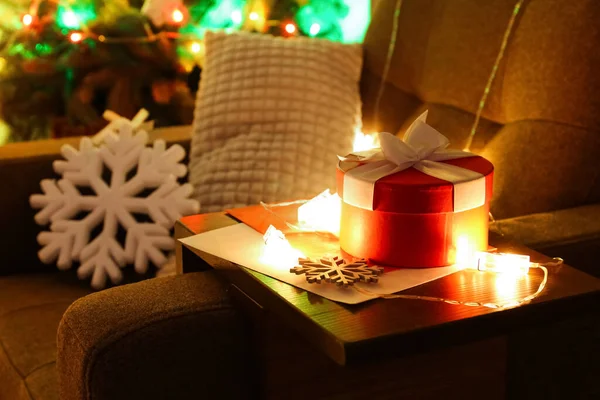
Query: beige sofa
[{"x": 540, "y": 127}]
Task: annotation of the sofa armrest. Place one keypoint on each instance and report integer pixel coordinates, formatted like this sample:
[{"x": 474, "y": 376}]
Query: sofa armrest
[
  {"x": 573, "y": 234},
  {"x": 23, "y": 166},
  {"x": 176, "y": 337}
]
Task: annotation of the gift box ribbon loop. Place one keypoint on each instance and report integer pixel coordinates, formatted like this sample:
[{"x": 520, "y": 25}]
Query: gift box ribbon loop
[{"x": 423, "y": 148}]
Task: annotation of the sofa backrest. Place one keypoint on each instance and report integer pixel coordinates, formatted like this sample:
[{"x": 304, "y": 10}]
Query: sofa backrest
[{"x": 541, "y": 123}]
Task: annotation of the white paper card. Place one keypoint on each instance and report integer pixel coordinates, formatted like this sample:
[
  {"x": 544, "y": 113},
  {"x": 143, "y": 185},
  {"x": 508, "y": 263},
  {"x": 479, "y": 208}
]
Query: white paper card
[{"x": 244, "y": 246}]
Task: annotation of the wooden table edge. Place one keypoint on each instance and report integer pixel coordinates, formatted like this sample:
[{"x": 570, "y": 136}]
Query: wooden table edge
[
  {"x": 245, "y": 281},
  {"x": 342, "y": 352}
]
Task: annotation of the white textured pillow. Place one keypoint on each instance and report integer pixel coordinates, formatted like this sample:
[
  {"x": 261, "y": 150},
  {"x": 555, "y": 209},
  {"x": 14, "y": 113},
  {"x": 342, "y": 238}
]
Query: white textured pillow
[{"x": 271, "y": 116}]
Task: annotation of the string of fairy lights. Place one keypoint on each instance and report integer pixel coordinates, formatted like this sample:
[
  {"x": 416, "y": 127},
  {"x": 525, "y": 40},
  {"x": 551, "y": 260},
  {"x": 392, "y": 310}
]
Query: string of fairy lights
[
  {"x": 514, "y": 267},
  {"x": 76, "y": 28}
]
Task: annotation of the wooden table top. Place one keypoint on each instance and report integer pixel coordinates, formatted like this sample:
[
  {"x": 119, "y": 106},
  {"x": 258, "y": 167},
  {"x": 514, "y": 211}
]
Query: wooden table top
[{"x": 387, "y": 328}]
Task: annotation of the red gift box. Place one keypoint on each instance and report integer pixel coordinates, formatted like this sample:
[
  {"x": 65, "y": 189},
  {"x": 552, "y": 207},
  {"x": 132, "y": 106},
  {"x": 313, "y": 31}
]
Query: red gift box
[{"x": 410, "y": 218}]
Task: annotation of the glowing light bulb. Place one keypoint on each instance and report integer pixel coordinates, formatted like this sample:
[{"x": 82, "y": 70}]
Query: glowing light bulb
[
  {"x": 69, "y": 19},
  {"x": 76, "y": 37},
  {"x": 196, "y": 47},
  {"x": 236, "y": 17},
  {"x": 514, "y": 264},
  {"x": 290, "y": 28},
  {"x": 253, "y": 16},
  {"x": 363, "y": 141},
  {"x": 177, "y": 16},
  {"x": 314, "y": 29},
  {"x": 322, "y": 213},
  {"x": 277, "y": 251},
  {"x": 27, "y": 19},
  {"x": 464, "y": 253}
]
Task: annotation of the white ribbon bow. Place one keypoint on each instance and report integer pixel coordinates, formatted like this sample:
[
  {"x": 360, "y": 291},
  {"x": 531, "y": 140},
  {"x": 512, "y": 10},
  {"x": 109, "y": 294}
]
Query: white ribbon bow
[{"x": 422, "y": 148}]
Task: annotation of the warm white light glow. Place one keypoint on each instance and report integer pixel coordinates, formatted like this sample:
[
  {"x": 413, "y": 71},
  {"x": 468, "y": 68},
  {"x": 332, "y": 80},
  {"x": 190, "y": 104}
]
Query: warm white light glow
[
  {"x": 290, "y": 28},
  {"x": 314, "y": 29},
  {"x": 506, "y": 286},
  {"x": 515, "y": 264},
  {"x": 277, "y": 251},
  {"x": 236, "y": 17},
  {"x": 464, "y": 253},
  {"x": 177, "y": 16},
  {"x": 27, "y": 19},
  {"x": 76, "y": 37},
  {"x": 70, "y": 19},
  {"x": 195, "y": 47},
  {"x": 273, "y": 236},
  {"x": 253, "y": 16},
  {"x": 322, "y": 213},
  {"x": 364, "y": 141},
  {"x": 467, "y": 257}
]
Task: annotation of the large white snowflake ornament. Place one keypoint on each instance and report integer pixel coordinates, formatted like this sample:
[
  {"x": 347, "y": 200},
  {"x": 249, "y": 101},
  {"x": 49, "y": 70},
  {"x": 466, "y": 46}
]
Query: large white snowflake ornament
[{"x": 121, "y": 185}]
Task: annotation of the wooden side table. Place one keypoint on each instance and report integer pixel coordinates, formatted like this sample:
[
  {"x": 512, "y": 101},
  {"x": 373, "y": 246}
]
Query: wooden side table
[{"x": 311, "y": 347}]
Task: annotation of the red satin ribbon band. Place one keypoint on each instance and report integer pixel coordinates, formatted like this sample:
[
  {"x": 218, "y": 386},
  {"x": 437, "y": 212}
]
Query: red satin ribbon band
[{"x": 411, "y": 191}]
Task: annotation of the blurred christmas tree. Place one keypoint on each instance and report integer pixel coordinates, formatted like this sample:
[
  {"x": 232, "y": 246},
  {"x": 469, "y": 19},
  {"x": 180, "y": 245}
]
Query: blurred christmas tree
[{"x": 63, "y": 62}]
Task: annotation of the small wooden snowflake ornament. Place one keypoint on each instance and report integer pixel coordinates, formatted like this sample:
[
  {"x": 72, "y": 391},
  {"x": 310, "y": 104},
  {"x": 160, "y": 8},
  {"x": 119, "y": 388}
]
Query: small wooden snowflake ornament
[{"x": 337, "y": 270}]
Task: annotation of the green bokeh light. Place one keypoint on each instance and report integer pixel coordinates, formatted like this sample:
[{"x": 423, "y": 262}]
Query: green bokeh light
[
  {"x": 355, "y": 24},
  {"x": 236, "y": 17},
  {"x": 227, "y": 14},
  {"x": 43, "y": 49},
  {"x": 343, "y": 21},
  {"x": 74, "y": 17},
  {"x": 216, "y": 14},
  {"x": 314, "y": 29}
]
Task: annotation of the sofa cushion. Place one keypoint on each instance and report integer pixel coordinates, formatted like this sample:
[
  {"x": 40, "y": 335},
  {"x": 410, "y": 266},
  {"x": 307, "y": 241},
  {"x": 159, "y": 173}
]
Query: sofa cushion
[
  {"x": 272, "y": 115},
  {"x": 31, "y": 307}
]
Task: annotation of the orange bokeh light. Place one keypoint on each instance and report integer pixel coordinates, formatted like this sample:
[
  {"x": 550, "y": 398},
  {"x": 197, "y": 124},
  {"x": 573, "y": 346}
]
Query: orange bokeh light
[
  {"x": 27, "y": 19},
  {"x": 177, "y": 16},
  {"x": 76, "y": 37},
  {"x": 290, "y": 28}
]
